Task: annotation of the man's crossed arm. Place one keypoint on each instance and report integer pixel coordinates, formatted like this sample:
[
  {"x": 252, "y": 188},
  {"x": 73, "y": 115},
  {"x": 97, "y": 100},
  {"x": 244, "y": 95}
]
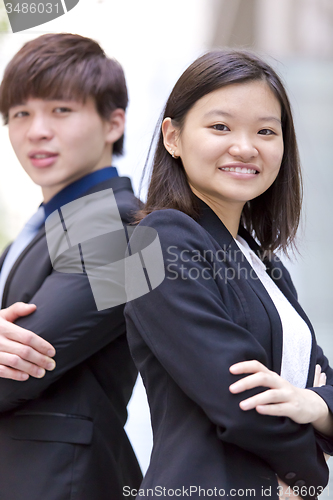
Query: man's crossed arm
[{"x": 22, "y": 352}]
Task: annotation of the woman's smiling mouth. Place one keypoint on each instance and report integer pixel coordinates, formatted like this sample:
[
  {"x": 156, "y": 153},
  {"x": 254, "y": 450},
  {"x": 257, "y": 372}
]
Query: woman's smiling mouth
[{"x": 240, "y": 169}]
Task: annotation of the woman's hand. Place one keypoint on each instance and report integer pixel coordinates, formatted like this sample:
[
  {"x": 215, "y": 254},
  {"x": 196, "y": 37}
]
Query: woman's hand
[
  {"x": 286, "y": 492},
  {"x": 282, "y": 399},
  {"x": 319, "y": 381},
  {"x": 22, "y": 352},
  {"x": 319, "y": 378}
]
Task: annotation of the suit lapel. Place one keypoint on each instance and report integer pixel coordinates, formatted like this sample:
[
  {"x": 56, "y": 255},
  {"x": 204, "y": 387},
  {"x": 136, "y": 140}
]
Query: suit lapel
[
  {"x": 116, "y": 183},
  {"x": 16, "y": 264},
  {"x": 3, "y": 256}
]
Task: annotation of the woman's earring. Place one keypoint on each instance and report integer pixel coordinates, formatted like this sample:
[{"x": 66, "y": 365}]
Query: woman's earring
[{"x": 173, "y": 154}]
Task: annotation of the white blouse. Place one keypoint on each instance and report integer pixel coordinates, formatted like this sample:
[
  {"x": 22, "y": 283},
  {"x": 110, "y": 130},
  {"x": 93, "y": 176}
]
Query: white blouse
[{"x": 297, "y": 338}]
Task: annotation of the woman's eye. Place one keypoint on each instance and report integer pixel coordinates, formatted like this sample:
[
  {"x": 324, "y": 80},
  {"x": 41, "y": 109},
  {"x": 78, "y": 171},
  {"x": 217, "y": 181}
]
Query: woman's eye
[
  {"x": 220, "y": 127},
  {"x": 266, "y": 131}
]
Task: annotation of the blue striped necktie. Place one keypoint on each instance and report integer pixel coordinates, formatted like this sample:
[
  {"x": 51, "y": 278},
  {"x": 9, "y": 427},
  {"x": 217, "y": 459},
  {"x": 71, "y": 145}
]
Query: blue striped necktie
[{"x": 27, "y": 234}]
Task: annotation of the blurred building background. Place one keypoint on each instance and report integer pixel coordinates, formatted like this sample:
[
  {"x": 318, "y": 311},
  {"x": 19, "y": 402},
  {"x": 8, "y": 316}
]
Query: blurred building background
[{"x": 155, "y": 42}]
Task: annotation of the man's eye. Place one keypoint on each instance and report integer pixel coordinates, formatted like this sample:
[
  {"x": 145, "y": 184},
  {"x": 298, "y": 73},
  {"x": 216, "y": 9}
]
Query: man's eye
[
  {"x": 220, "y": 127},
  {"x": 266, "y": 131},
  {"x": 62, "y": 109},
  {"x": 20, "y": 114}
]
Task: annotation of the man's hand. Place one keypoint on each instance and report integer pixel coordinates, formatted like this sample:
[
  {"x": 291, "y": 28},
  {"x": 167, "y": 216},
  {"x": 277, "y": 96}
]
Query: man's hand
[{"x": 22, "y": 353}]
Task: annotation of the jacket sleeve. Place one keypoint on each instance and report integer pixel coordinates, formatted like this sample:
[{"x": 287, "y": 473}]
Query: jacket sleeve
[
  {"x": 68, "y": 318},
  {"x": 67, "y": 315},
  {"x": 326, "y": 392},
  {"x": 186, "y": 323}
]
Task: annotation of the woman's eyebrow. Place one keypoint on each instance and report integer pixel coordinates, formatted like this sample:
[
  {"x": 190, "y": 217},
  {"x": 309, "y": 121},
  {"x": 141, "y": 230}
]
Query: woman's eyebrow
[
  {"x": 269, "y": 118},
  {"x": 220, "y": 112}
]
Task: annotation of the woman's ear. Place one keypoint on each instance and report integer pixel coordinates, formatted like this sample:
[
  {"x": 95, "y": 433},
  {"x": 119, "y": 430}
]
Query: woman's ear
[
  {"x": 170, "y": 137},
  {"x": 115, "y": 126}
]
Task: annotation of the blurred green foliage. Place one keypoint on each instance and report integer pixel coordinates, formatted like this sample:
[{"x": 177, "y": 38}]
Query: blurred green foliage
[
  {"x": 4, "y": 238},
  {"x": 4, "y": 23},
  {"x": 4, "y": 28}
]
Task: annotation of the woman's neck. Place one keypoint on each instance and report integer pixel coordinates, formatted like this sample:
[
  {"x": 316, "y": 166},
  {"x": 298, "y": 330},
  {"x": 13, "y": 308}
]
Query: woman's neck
[{"x": 228, "y": 213}]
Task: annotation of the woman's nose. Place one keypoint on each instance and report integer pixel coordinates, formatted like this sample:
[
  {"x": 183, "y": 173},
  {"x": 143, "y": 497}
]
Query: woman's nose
[{"x": 244, "y": 148}]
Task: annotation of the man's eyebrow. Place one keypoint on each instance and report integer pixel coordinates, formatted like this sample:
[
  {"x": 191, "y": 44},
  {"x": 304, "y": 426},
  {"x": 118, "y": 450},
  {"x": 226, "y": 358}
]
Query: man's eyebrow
[
  {"x": 220, "y": 112},
  {"x": 18, "y": 104}
]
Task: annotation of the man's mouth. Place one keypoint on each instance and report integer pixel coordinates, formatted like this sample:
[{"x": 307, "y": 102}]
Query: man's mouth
[
  {"x": 44, "y": 154},
  {"x": 41, "y": 159}
]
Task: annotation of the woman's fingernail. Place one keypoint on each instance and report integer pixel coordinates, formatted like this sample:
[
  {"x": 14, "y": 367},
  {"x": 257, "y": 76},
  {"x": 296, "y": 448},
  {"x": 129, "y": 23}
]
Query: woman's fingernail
[{"x": 40, "y": 372}]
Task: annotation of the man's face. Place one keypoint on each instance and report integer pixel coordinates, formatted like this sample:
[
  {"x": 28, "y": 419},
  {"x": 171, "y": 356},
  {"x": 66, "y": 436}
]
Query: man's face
[{"x": 58, "y": 141}]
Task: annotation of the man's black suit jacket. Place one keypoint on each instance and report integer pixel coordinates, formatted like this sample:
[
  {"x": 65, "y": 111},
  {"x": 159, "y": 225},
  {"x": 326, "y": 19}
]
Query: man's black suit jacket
[
  {"x": 210, "y": 312},
  {"x": 62, "y": 437}
]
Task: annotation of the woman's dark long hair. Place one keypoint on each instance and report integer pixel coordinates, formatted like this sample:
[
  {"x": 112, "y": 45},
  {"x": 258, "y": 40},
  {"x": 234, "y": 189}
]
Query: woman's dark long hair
[{"x": 273, "y": 217}]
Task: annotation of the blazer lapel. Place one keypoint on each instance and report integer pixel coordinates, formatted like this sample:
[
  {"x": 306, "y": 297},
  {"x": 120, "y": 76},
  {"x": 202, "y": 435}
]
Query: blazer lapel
[
  {"x": 215, "y": 227},
  {"x": 272, "y": 266},
  {"x": 296, "y": 305}
]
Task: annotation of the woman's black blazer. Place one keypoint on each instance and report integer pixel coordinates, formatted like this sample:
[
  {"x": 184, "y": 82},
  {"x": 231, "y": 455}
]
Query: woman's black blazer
[{"x": 210, "y": 312}]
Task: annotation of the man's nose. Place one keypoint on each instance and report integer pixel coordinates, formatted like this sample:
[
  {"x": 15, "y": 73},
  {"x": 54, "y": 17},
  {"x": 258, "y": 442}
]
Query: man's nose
[{"x": 39, "y": 129}]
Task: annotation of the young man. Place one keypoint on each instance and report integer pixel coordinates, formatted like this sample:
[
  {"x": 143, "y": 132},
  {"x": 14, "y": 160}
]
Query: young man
[{"x": 61, "y": 426}]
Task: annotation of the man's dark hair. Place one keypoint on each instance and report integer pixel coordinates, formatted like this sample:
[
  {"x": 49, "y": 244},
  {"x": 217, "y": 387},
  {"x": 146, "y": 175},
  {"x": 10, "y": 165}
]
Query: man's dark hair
[
  {"x": 272, "y": 217},
  {"x": 64, "y": 66}
]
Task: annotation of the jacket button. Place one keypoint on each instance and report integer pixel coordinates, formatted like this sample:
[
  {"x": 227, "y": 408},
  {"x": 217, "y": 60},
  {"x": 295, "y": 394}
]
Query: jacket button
[
  {"x": 290, "y": 475},
  {"x": 300, "y": 482}
]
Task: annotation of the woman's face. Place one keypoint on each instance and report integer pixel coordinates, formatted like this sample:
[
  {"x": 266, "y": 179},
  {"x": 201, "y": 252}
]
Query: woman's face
[{"x": 231, "y": 144}]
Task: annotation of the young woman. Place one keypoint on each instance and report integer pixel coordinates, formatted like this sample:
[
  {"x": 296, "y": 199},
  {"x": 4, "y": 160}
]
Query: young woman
[{"x": 226, "y": 352}]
